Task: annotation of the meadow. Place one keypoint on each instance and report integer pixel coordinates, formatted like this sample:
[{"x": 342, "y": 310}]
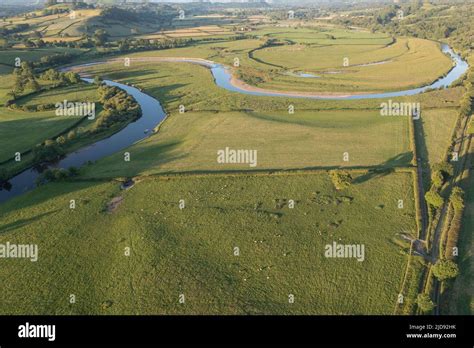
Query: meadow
[
  {"x": 316, "y": 135},
  {"x": 216, "y": 119},
  {"x": 21, "y": 131},
  {"x": 190, "y": 251}
]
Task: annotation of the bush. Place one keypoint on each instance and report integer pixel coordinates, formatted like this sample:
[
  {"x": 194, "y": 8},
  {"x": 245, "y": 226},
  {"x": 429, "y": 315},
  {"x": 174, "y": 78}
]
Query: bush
[
  {"x": 55, "y": 174},
  {"x": 457, "y": 199},
  {"x": 445, "y": 168},
  {"x": 340, "y": 178},
  {"x": 28, "y": 108},
  {"x": 50, "y": 151},
  {"x": 433, "y": 198},
  {"x": 425, "y": 303},
  {"x": 61, "y": 140},
  {"x": 71, "y": 135},
  {"x": 97, "y": 80},
  {"x": 437, "y": 178},
  {"x": 445, "y": 269}
]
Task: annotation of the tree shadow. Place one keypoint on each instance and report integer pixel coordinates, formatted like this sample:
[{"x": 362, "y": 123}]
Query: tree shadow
[
  {"x": 385, "y": 168},
  {"x": 4, "y": 229},
  {"x": 422, "y": 152}
]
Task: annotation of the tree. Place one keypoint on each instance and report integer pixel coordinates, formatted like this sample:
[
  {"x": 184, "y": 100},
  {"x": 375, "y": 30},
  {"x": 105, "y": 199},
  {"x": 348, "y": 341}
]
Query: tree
[
  {"x": 61, "y": 140},
  {"x": 437, "y": 178},
  {"x": 340, "y": 178},
  {"x": 33, "y": 85},
  {"x": 100, "y": 37},
  {"x": 97, "y": 80},
  {"x": 445, "y": 269},
  {"x": 457, "y": 199},
  {"x": 24, "y": 79},
  {"x": 72, "y": 77},
  {"x": 433, "y": 198},
  {"x": 425, "y": 303},
  {"x": 71, "y": 135}
]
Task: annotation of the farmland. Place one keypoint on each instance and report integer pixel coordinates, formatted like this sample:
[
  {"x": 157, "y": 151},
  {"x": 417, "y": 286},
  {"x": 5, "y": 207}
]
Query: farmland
[
  {"x": 190, "y": 251},
  {"x": 163, "y": 226}
]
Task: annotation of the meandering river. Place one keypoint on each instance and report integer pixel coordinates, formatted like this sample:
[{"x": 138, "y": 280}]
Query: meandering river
[{"x": 153, "y": 114}]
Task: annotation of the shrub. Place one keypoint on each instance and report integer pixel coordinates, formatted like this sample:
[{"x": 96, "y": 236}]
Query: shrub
[
  {"x": 61, "y": 140},
  {"x": 71, "y": 135},
  {"x": 340, "y": 178},
  {"x": 437, "y": 178},
  {"x": 425, "y": 303},
  {"x": 445, "y": 269},
  {"x": 457, "y": 199},
  {"x": 48, "y": 152},
  {"x": 56, "y": 174},
  {"x": 433, "y": 198}
]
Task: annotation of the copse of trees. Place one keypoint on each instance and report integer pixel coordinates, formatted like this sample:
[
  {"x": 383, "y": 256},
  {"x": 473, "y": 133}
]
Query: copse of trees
[
  {"x": 128, "y": 45},
  {"x": 55, "y": 60},
  {"x": 24, "y": 79},
  {"x": 67, "y": 78},
  {"x": 118, "y": 107},
  {"x": 47, "y": 152},
  {"x": 56, "y": 174}
]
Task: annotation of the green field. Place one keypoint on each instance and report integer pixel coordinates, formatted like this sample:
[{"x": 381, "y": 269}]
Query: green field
[
  {"x": 437, "y": 128},
  {"x": 408, "y": 62},
  {"x": 21, "y": 131},
  {"x": 190, "y": 251},
  {"x": 176, "y": 250},
  {"x": 308, "y": 138}
]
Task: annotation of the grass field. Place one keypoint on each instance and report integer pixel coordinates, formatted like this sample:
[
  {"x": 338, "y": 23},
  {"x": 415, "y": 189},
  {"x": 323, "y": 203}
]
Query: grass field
[
  {"x": 190, "y": 142},
  {"x": 20, "y": 130},
  {"x": 190, "y": 251},
  {"x": 405, "y": 64},
  {"x": 217, "y": 119},
  {"x": 437, "y": 128}
]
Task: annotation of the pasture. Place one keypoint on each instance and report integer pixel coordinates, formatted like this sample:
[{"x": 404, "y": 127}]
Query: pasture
[
  {"x": 190, "y": 251},
  {"x": 316, "y": 135}
]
